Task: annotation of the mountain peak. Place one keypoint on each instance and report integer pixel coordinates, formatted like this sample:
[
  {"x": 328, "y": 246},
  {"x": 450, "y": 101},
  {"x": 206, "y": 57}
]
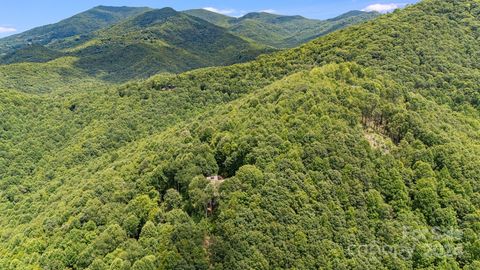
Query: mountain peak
[
  {"x": 252, "y": 15},
  {"x": 271, "y": 18},
  {"x": 279, "y": 31},
  {"x": 116, "y": 9},
  {"x": 109, "y": 7},
  {"x": 212, "y": 17},
  {"x": 162, "y": 12},
  {"x": 354, "y": 13},
  {"x": 83, "y": 23},
  {"x": 154, "y": 16},
  {"x": 205, "y": 11},
  {"x": 167, "y": 9}
]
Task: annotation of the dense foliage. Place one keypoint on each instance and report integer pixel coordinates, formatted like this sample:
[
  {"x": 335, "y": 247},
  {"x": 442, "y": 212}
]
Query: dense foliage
[
  {"x": 359, "y": 150},
  {"x": 57, "y": 76}
]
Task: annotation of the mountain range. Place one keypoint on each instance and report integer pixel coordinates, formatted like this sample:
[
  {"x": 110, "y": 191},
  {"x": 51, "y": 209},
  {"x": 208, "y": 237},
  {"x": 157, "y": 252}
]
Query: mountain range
[
  {"x": 117, "y": 44},
  {"x": 357, "y": 150},
  {"x": 281, "y": 31},
  {"x": 77, "y": 26}
]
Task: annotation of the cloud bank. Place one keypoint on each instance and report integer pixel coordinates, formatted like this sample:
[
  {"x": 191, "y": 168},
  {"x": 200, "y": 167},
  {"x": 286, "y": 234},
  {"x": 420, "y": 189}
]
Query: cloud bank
[
  {"x": 7, "y": 29},
  {"x": 383, "y": 8}
]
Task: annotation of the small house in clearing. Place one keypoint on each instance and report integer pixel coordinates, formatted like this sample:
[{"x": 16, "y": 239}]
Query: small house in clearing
[
  {"x": 215, "y": 178},
  {"x": 215, "y": 182}
]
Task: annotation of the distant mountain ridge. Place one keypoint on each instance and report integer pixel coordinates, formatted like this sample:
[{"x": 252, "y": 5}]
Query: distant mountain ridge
[
  {"x": 162, "y": 40},
  {"x": 141, "y": 43},
  {"x": 81, "y": 24},
  {"x": 117, "y": 44},
  {"x": 281, "y": 31}
]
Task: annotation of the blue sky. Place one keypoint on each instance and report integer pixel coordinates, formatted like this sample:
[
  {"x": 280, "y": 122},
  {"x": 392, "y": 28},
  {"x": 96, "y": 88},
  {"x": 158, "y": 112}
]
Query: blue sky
[{"x": 20, "y": 15}]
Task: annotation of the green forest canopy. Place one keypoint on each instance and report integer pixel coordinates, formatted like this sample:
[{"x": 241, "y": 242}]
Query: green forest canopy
[{"x": 359, "y": 150}]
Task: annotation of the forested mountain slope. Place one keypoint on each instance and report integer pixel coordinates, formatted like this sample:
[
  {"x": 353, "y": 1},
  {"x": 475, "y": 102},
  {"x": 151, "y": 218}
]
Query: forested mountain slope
[
  {"x": 359, "y": 150},
  {"x": 154, "y": 41},
  {"x": 281, "y": 31},
  {"x": 56, "y": 76},
  {"x": 117, "y": 44},
  {"x": 78, "y": 26},
  {"x": 31, "y": 53},
  {"x": 162, "y": 40}
]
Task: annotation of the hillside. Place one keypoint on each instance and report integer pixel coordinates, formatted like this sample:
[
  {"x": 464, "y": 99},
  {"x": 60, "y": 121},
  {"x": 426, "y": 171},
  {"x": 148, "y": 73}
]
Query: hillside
[
  {"x": 154, "y": 41},
  {"x": 358, "y": 150},
  {"x": 162, "y": 40},
  {"x": 281, "y": 31},
  {"x": 212, "y": 17},
  {"x": 32, "y": 54},
  {"x": 56, "y": 76},
  {"x": 78, "y": 27},
  {"x": 117, "y": 44}
]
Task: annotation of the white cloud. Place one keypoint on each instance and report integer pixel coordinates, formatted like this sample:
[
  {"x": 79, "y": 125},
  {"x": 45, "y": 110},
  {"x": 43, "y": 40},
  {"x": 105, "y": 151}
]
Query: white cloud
[
  {"x": 383, "y": 8},
  {"x": 273, "y": 11},
  {"x": 221, "y": 11},
  {"x": 7, "y": 29}
]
